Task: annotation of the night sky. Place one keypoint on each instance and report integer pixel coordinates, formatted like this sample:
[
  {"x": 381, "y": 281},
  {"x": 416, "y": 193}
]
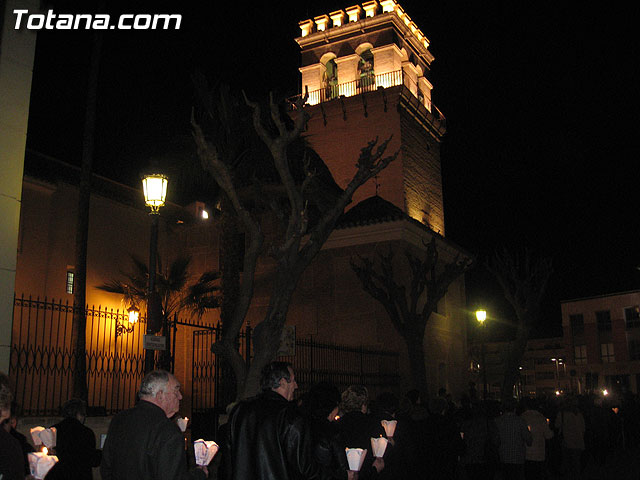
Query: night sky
[{"x": 540, "y": 100}]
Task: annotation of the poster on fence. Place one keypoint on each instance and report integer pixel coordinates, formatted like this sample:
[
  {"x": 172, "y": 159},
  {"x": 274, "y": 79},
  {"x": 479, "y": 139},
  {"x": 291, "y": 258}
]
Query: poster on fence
[{"x": 287, "y": 346}]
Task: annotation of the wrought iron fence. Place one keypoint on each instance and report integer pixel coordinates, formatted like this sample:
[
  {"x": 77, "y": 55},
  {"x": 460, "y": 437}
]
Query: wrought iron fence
[
  {"x": 43, "y": 357},
  {"x": 43, "y": 360},
  {"x": 344, "y": 365}
]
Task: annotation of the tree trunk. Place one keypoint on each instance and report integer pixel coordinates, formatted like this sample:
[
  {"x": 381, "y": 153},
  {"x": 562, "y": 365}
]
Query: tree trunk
[
  {"x": 79, "y": 326},
  {"x": 512, "y": 360},
  {"x": 267, "y": 334},
  {"x": 415, "y": 350},
  {"x": 231, "y": 250}
]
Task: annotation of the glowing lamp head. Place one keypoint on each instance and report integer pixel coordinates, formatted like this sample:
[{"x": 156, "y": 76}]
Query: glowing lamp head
[
  {"x": 481, "y": 316},
  {"x": 155, "y": 190},
  {"x": 134, "y": 314},
  {"x": 605, "y": 392}
]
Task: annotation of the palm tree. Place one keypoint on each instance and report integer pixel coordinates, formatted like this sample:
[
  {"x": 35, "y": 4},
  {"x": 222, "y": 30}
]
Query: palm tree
[{"x": 174, "y": 290}]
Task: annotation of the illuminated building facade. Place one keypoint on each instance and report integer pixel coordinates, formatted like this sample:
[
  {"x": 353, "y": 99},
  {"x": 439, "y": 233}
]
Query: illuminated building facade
[{"x": 366, "y": 72}]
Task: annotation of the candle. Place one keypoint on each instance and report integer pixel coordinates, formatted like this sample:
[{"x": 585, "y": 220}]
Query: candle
[
  {"x": 355, "y": 457},
  {"x": 204, "y": 451},
  {"x": 40, "y": 463},
  {"x": 182, "y": 423},
  {"x": 378, "y": 446},
  {"x": 389, "y": 427}
]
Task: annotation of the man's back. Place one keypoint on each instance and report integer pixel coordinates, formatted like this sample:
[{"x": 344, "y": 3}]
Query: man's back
[
  {"x": 143, "y": 443},
  {"x": 514, "y": 438},
  {"x": 270, "y": 440}
]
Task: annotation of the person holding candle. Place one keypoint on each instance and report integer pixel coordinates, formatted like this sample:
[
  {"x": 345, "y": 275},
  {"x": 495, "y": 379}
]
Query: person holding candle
[
  {"x": 11, "y": 459},
  {"x": 143, "y": 443},
  {"x": 320, "y": 404},
  {"x": 75, "y": 444},
  {"x": 540, "y": 431},
  {"x": 515, "y": 436},
  {"x": 11, "y": 425},
  {"x": 357, "y": 427}
]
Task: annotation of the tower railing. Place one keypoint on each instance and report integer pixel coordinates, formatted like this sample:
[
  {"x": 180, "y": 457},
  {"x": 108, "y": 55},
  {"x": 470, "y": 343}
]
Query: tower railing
[{"x": 372, "y": 83}]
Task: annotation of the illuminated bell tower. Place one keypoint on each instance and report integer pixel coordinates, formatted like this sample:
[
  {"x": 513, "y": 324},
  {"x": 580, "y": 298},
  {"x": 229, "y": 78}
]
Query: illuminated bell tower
[{"x": 366, "y": 70}]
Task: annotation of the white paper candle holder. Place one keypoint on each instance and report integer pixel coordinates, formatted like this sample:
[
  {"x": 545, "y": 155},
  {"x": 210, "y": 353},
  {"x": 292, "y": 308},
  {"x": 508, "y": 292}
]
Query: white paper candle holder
[
  {"x": 378, "y": 446},
  {"x": 389, "y": 427},
  {"x": 182, "y": 423},
  {"x": 40, "y": 463},
  {"x": 355, "y": 457},
  {"x": 44, "y": 436},
  {"x": 204, "y": 451}
]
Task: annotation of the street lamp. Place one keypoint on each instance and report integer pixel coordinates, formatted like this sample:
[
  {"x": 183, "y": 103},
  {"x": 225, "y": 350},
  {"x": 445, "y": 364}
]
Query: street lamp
[
  {"x": 132, "y": 314},
  {"x": 154, "y": 186},
  {"x": 481, "y": 316},
  {"x": 559, "y": 361}
]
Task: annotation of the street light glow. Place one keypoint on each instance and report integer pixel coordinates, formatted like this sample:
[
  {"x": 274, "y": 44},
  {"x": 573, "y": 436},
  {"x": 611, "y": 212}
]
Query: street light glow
[
  {"x": 155, "y": 190},
  {"x": 481, "y": 315}
]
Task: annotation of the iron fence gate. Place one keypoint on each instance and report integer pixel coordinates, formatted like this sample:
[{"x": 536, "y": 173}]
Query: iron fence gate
[{"x": 42, "y": 361}]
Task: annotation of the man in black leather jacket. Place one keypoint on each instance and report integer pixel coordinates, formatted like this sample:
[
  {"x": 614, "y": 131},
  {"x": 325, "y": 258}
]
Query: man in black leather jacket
[
  {"x": 269, "y": 437},
  {"x": 143, "y": 443}
]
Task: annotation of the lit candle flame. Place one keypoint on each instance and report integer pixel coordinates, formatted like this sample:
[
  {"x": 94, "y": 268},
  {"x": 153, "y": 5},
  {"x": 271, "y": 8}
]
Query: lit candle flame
[{"x": 45, "y": 450}]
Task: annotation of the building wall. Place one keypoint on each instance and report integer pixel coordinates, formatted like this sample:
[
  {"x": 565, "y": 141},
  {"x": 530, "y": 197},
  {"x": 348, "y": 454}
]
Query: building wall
[
  {"x": 422, "y": 174},
  {"x": 596, "y": 372},
  {"x": 340, "y": 129},
  {"x": 539, "y": 374},
  {"x": 47, "y": 241},
  {"x": 17, "y": 49}
]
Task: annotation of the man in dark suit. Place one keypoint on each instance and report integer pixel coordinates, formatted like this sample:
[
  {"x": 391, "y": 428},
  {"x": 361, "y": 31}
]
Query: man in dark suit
[{"x": 142, "y": 442}]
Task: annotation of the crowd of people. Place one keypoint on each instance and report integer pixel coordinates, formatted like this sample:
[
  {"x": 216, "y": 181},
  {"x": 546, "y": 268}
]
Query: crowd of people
[{"x": 274, "y": 436}]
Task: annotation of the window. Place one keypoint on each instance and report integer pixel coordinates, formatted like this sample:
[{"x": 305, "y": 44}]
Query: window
[
  {"x": 70, "y": 278},
  {"x": 606, "y": 353},
  {"x": 365, "y": 71},
  {"x": 580, "y": 354},
  {"x": 632, "y": 316},
  {"x": 603, "y": 319},
  {"x": 577, "y": 324},
  {"x": 634, "y": 350},
  {"x": 330, "y": 79}
]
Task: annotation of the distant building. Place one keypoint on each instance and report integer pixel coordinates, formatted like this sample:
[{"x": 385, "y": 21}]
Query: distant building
[
  {"x": 602, "y": 341},
  {"x": 543, "y": 369}
]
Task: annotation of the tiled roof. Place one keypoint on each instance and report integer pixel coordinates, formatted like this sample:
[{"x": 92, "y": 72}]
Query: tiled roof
[{"x": 372, "y": 211}]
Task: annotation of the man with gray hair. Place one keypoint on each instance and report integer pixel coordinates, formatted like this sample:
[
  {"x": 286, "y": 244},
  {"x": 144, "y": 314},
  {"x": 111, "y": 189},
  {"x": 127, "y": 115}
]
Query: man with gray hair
[{"x": 142, "y": 442}]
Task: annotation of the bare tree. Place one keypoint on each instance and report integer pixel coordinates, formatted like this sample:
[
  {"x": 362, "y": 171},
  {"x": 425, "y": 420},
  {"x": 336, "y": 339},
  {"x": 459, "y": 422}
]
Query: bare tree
[
  {"x": 300, "y": 241},
  {"x": 523, "y": 280},
  {"x": 410, "y": 307}
]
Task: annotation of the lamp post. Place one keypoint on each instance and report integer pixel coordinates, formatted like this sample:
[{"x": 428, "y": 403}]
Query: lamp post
[
  {"x": 155, "y": 193},
  {"x": 558, "y": 361},
  {"x": 481, "y": 317}
]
